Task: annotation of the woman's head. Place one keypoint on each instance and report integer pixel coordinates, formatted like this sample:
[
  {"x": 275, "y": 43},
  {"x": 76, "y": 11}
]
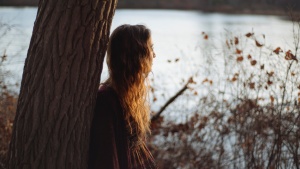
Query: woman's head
[
  {"x": 129, "y": 59},
  {"x": 129, "y": 52}
]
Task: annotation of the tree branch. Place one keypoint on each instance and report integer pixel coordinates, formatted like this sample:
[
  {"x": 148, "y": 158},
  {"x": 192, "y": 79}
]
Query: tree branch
[{"x": 172, "y": 99}]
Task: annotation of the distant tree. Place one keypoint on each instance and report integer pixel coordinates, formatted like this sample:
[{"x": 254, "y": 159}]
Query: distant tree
[{"x": 59, "y": 85}]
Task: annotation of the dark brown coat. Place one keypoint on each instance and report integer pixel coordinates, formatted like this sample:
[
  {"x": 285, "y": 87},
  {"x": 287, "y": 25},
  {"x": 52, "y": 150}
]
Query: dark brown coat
[{"x": 109, "y": 141}]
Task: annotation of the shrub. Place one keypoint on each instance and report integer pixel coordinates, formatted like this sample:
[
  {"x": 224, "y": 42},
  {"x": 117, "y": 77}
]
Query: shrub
[
  {"x": 8, "y": 101},
  {"x": 249, "y": 116}
]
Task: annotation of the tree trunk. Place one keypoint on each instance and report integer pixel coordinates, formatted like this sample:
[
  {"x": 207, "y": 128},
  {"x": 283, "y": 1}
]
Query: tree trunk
[{"x": 59, "y": 85}]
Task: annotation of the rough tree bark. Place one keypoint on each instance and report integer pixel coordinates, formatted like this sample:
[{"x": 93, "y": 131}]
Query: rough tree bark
[{"x": 59, "y": 85}]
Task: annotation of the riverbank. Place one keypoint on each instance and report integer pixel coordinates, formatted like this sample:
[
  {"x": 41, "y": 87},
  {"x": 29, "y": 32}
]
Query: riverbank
[
  {"x": 253, "y": 10},
  {"x": 262, "y": 8}
]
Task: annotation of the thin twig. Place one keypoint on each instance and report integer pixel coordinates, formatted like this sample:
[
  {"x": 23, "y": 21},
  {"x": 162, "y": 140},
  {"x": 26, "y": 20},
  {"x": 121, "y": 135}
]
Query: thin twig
[{"x": 156, "y": 116}]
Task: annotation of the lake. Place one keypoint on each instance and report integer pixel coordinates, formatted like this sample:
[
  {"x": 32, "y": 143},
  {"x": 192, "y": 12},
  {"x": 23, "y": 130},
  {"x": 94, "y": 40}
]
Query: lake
[{"x": 177, "y": 37}]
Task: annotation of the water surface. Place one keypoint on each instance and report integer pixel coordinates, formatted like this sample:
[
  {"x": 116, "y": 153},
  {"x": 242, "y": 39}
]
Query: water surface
[{"x": 177, "y": 35}]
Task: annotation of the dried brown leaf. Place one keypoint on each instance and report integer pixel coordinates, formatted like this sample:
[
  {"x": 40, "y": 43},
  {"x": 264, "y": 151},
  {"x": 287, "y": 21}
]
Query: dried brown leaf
[
  {"x": 272, "y": 99},
  {"x": 240, "y": 58},
  {"x": 249, "y": 34},
  {"x": 253, "y": 62},
  {"x": 258, "y": 44},
  {"x": 238, "y": 51},
  {"x": 277, "y": 50},
  {"x": 205, "y": 37},
  {"x": 290, "y": 56},
  {"x": 249, "y": 56},
  {"x": 252, "y": 85},
  {"x": 236, "y": 40}
]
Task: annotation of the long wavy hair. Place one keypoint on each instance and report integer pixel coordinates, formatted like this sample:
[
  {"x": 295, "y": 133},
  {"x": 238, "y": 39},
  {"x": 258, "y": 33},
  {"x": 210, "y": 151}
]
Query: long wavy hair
[{"x": 129, "y": 61}]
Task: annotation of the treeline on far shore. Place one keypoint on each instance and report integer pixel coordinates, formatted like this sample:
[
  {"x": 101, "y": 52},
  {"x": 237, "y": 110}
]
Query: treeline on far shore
[{"x": 227, "y": 6}]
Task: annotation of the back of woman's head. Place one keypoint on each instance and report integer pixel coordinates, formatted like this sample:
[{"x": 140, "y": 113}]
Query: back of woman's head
[
  {"x": 128, "y": 55},
  {"x": 129, "y": 61}
]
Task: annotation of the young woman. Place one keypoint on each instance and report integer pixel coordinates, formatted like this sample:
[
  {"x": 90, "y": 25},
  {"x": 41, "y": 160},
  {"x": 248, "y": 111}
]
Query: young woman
[{"x": 121, "y": 119}]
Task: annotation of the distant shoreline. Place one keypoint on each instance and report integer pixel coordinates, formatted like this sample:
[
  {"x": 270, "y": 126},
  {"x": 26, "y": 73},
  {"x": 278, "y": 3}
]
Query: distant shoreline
[{"x": 275, "y": 12}]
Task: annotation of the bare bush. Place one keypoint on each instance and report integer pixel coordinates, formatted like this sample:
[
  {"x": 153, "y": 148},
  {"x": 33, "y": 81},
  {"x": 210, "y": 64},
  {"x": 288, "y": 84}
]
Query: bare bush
[
  {"x": 8, "y": 101},
  {"x": 249, "y": 116}
]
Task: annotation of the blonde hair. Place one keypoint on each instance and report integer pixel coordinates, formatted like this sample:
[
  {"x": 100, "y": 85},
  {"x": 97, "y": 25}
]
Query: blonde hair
[{"x": 129, "y": 62}]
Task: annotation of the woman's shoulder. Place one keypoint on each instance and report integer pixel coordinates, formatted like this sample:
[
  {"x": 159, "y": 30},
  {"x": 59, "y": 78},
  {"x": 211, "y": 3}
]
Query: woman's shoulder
[
  {"x": 107, "y": 94},
  {"x": 105, "y": 90}
]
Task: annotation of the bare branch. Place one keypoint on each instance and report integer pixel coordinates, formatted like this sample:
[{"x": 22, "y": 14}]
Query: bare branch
[{"x": 172, "y": 99}]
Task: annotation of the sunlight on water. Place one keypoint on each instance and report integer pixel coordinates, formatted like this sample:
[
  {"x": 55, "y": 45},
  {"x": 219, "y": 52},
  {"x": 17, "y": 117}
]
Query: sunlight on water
[{"x": 177, "y": 37}]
